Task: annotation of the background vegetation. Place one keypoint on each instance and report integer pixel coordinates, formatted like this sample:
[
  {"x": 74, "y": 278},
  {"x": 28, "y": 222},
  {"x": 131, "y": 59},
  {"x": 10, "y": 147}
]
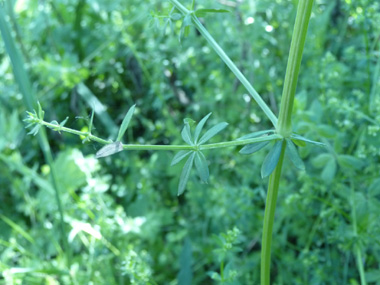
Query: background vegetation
[{"x": 123, "y": 220}]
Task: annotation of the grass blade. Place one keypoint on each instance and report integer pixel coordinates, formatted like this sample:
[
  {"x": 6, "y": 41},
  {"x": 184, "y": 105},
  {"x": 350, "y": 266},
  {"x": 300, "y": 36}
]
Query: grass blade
[
  {"x": 212, "y": 132},
  {"x": 125, "y": 123},
  {"x": 271, "y": 160},
  {"x": 17, "y": 228},
  {"x": 185, "y": 174}
]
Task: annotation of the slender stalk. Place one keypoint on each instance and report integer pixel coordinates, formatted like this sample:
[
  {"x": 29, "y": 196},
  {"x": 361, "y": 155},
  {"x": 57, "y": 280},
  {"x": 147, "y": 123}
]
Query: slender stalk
[
  {"x": 270, "y": 208},
  {"x": 284, "y": 128},
  {"x": 91, "y": 137},
  {"x": 268, "y": 112}
]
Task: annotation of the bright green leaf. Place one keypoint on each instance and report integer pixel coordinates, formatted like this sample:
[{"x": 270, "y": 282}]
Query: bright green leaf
[
  {"x": 252, "y": 148},
  {"x": 125, "y": 123},
  {"x": 179, "y": 156},
  {"x": 201, "y": 166},
  {"x": 199, "y": 127},
  {"x": 271, "y": 160},
  {"x": 299, "y": 143},
  {"x": 292, "y": 153},
  {"x": 212, "y": 132},
  {"x": 185, "y": 174},
  {"x": 186, "y": 135},
  {"x": 203, "y": 12}
]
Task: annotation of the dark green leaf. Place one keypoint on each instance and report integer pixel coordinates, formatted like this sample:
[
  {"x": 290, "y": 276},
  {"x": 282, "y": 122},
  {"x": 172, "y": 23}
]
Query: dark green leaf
[
  {"x": 374, "y": 188},
  {"x": 350, "y": 162},
  {"x": 179, "y": 156},
  {"x": 321, "y": 160},
  {"x": 185, "y": 174},
  {"x": 292, "y": 153},
  {"x": 255, "y": 135},
  {"x": 271, "y": 160},
  {"x": 185, "y": 28},
  {"x": 125, "y": 123},
  {"x": 199, "y": 127},
  {"x": 212, "y": 132},
  {"x": 201, "y": 166},
  {"x": 252, "y": 148},
  {"x": 203, "y": 12},
  {"x": 329, "y": 171},
  {"x": 91, "y": 121},
  {"x": 186, "y": 135}
]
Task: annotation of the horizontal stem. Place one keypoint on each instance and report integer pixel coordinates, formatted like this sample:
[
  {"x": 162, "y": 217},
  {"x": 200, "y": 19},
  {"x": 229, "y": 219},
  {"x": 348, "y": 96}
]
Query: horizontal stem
[{"x": 161, "y": 147}]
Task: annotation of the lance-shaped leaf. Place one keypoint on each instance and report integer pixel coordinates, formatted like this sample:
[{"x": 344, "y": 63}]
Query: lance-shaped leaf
[
  {"x": 252, "y": 148},
  {"x": 199, "y": 127},
  {"x": 212, "y": 132},
  {"x": 109, "y": 149},
  {"x": 301, "y": 138},
  {"x": 91, "y": 121},
  {"x": 185, "y": 174},
  {"x": 186, "y": 135},
  {"x": 292, "y": 153},
  {"x": 203, "y": 12},
  {"x": 125, "y": 123},
  {"x": 185, "y": 28},
  {"x": 179, "y": 156},
  {"x": 271, "y": 160},
  {"x": 201, "y": 166},
  {"x": 255, "y": 135}
]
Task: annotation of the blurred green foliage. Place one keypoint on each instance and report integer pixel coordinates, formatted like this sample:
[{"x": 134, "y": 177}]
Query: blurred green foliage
[{"x": 124, "y": 221}]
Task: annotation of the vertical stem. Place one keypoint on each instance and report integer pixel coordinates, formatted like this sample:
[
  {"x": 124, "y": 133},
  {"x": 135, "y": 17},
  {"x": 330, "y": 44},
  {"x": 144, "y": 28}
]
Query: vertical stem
[
  {"x": 270, "y": 207},
  {"x": 284, "y": 128}
]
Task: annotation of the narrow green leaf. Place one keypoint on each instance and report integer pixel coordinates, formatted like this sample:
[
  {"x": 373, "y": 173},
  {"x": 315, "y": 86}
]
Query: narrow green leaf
[
  {"x": 203, "y": 12},
  {"x": 17, "y": 228},
  {"x": 299, "y": 143},
  {"x": 199, "y": 127},
  {"x": 292, "y": 153},
  {"x": 186, "y": 135},
  {"x": 125, "y": 123},
  {"x": 201, "y": 166},
  {"x": 41, "y": 113},
  {"x": 185, "y": 174},
  {"x": 301, "y": 138},
  {"x": 62, "y": 124},
  {"x": 271, "y": 160},
  {"x": 255, "y": 135},
  {"x": 252, "y": 148},
  {"x": 192, "y": 5},
  {"x": 109, "y": 149},
  {"x": 212, "y": 132},
  {"x": 179, "y": 156},
  {"x": 91, "y": 121}
]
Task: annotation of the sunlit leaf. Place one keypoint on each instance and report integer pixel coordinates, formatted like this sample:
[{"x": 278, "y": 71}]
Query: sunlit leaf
[
  {"x": 212, "y": 132},
  {"x": 109, "y": 149},
  {"x": 252, "y": 148},
  {"x": 125, "y": 123},
  {"x": 185, "y": 174},
  {"x": 179, "y": 156},
  {"x": 271, "y": 160},
  {"x": 292, "y": 153},
  {"x": 199, "y": 127},
  {"x": 201, "y": 166}
]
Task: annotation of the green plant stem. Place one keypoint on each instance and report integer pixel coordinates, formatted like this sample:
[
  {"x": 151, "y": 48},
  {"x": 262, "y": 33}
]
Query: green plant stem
[
  {"x": 284, "y": 129},
  {"x": 91, "y": 137},
  {"x": 270, "y": 208},
  {"x": 268, "y": 112},
  {"x": 357, "y": 249},
  {"x": 284, "y": 126}
]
